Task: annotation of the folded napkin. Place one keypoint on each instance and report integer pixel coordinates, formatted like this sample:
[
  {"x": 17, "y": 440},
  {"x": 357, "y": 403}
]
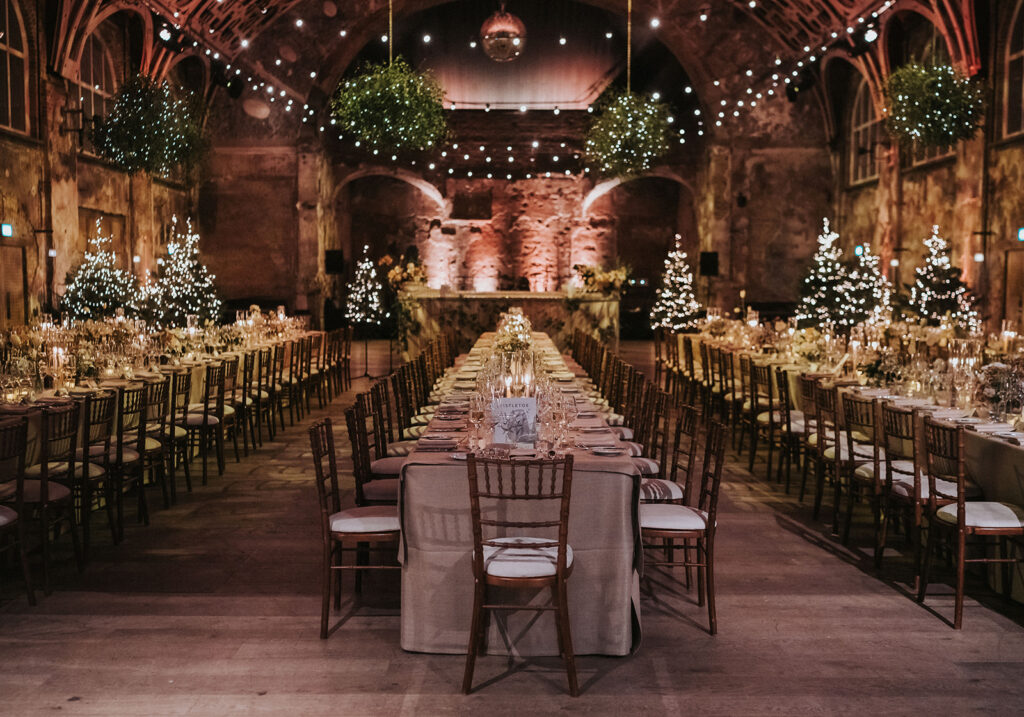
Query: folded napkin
[
  {"x": 598, "y": 441},
  {"x": 1014, "y": 437},
  {"x": 438, "y": 444}
]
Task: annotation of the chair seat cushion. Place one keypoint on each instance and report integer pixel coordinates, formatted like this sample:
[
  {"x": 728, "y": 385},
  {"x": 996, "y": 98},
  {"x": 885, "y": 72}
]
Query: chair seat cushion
[
  {"x": 176, "y": 432},
  {"x": 413, "y": 432},
  {"x": 381, "y": 490},
  {"x": 390, "y": 466},
  {"x": 635, "y": 449},
  {"x": 795, "y": 418},
  {"x": 646, "y": 466},
  {"x": 614, "y": 419},
  {"x": 8, "y": 516},
  {"x": 237, "y": 397},
  {"x": 401, "y": 448},
  {"x": 861, "y": 452},
  {"x": 625, "y": 433},
  {"x": 655, "y": 489},
  {"x": 55, "y": 491},
  {"x": 366, "y": 519},
  {"x": 761, "y": 403},
  {"x": 901, "y": 470},
  {"x": 812, "y": 439},
  {"x": 671, "y": 516},
  {"x": 198, "y": 408},
  {"x": 196, "y": 419},
  {"x": 263, "y": 395},
  {"x": 517, "y": 558},
  {"x": 59, "y": 470},
  {"x": 903, "y": 486},
  {"x": 128, "y": 455},
  {"x": 984, "y": 514}
]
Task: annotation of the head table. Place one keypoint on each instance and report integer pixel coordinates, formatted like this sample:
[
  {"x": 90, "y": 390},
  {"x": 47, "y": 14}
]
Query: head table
[{"x": 437, "y": 540}]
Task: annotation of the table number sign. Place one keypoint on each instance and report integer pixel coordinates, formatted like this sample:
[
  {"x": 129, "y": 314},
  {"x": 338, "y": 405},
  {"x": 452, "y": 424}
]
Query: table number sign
[{"x": 515, "y": 420}]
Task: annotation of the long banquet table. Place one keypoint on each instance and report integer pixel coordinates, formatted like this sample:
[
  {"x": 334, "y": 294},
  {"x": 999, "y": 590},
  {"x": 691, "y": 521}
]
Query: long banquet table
[
  {"x": 995, "y": 465},
  {"x": 437, "y": 541}
]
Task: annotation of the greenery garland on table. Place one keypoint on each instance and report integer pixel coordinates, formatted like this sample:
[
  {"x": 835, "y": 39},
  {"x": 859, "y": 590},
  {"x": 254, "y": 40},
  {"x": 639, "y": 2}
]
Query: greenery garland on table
[
  {"x": 629, "y": 134},
  {"x": 151, "y": 130},
  {"x": 934, "y": 106},
  {"x": 391, "y": 107}
]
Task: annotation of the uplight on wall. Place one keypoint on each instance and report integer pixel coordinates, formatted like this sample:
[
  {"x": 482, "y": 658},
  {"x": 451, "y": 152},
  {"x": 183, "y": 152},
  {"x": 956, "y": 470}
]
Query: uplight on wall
[
  {"x": 979, "y": 257},
  {"x": 7, "y": 230},
  {"x": 1020, "y": 234}
]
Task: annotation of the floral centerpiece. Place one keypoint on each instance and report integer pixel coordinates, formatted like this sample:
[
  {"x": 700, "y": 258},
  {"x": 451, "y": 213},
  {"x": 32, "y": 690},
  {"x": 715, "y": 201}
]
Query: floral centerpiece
[
  {"x": 402, "y": 271},
  {"x": 515, "y": 332},
  {"x": 600, "y": 280},
  {"x": 808, "y": 345}
]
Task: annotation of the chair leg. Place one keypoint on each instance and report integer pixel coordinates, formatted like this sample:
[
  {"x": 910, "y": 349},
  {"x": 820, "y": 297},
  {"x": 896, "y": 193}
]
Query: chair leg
[
  {"x": 753, "y": 443},
  {"x": 849, "y": 513},
  {"x": 235, "y": 428},
  {"x": 218, "y": 437},
  {"x": 45, "y": 546},
  {"x": 474, "y": 638},
  {"x": 26, "y": 570},
  {"x": 709, "y": 560},
  {"x": 819, "y": 487},
  {"x": 958, "y": 613},
  {"x": 565, "y": 638},
  {"x": 881, "y": 536},
  {"x": 924, "y": 568},
  {"x": 325, "y": 596}
]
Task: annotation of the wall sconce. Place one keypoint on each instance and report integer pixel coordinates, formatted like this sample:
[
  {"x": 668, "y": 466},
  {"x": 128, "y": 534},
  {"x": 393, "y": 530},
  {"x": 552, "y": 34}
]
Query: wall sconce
[
  {"x": 52, "y": 253},
  {"x": 894, "y": 262},
  {"x": 979, "y": 257},
  {"x": 6, "y": 230}
]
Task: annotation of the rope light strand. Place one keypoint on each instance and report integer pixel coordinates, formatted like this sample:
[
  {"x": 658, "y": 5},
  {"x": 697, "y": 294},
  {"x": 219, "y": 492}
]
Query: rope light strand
[{"x": 629, "y": 45}]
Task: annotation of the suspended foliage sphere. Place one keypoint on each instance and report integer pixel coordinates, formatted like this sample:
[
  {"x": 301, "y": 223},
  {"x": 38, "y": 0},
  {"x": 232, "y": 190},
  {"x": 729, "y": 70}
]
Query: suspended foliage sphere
[
  {"x": 149, "y": 129},
  {"x": 628, "y": 136},
  {"x": 933, "y": 106},
  {"x": 391, "y": 107}
]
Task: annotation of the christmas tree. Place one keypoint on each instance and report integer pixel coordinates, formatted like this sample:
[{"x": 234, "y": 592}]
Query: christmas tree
[
  {"x": 365, "y": 305},
  {"x": 872, "y": 290},
  {"x": 185, "y": 286},
  {"x": 827, "y": 290},
  {"x": 938, "y": 293},
  {"x": 675, "y": 305},
  {"x": 97, "y": 287}
]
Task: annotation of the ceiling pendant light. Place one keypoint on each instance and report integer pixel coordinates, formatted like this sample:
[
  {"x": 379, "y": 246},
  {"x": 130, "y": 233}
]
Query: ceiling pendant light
[{"x": 503, "y": 36}]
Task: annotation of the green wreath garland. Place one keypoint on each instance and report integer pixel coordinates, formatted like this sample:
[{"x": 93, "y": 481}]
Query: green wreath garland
[
  {"x": 391, "y": 107},
  {"x": 934, "y": 106},
  {"x": 628, "y": 136}
]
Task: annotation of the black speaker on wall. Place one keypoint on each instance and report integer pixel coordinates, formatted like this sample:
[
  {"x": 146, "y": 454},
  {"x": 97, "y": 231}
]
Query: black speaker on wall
[
  {"x": 334, "y": 261},
  {"x": 709, "y": 263}
]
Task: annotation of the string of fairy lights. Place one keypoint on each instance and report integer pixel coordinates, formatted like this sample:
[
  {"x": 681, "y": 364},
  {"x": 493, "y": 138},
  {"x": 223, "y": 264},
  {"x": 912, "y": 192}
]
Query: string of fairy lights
[{"x": 750, "y": 89}]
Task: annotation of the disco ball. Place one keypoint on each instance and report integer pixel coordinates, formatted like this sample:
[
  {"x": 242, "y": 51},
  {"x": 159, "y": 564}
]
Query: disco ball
[{"x": 503, "y": 36}]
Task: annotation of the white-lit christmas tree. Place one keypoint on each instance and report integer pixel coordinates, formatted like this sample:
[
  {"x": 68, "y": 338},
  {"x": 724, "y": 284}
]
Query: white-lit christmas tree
[
  {"x": 675, "y": 306},
  {"x": 938, "y": 294},
  {"x": 365, "y": 292},
  {"x": 872, "y": 290},
  {"x": 97, "y": 287},
  {"x": 827, "y": 291},
  {"x": 185, "y": 285}
]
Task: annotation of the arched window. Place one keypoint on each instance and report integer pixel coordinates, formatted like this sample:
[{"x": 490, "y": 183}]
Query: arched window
[
  {"x": 96, "y": 79},
  {"x": 13, "y": 69},
  {"x": 1013, "y": 114},
  {"x": 865, "y": 129}
]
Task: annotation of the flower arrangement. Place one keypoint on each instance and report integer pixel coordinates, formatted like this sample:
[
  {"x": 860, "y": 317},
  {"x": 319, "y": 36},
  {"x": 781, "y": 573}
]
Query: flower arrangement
[
  {"x": 808, "y": 344},
  {"x": 402, "y": 271},
  {"x": 515, "y": 332},
  {"x": 596, "y": 279}
]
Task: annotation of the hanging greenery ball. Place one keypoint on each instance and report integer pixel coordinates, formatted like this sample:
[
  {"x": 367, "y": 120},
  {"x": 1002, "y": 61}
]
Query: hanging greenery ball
[
  {"x": 150, "y": 129},
  {"x": 391, "y": 107},
  {"x": 933, "y": 106},
  {"x": 628, "y": 135}
]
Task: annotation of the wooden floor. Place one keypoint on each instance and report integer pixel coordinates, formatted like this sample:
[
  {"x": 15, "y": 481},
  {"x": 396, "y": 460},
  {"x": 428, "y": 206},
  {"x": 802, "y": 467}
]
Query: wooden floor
[{"x": 213, "y": 610}]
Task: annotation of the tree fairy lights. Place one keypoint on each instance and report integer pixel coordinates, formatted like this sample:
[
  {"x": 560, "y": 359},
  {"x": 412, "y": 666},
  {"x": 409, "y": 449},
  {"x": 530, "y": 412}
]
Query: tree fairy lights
[
  {"x": 185, "y": 285},
  {"x": 97, "y": 287},
  {"x": 871, "y": 289},
  {"x": 151, "y": 130},
  {"x": 938, "y": 294},
  {"x": 827, "y": 289},
  {"x": 675, "y": 306},
  {"x": 933, "y": 106},
  {"x": 365, "y": 305}
]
